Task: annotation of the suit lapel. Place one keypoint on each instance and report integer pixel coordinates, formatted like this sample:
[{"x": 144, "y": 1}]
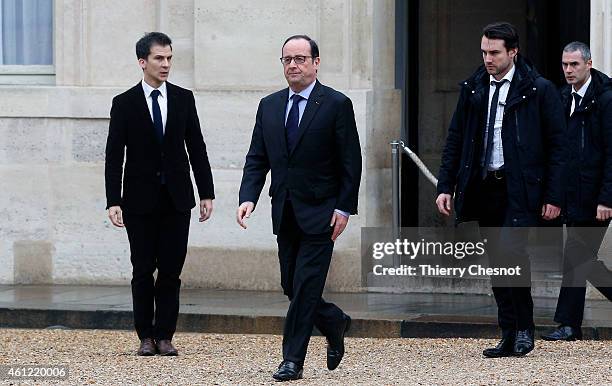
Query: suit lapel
[
  {"x": 143, "y": 111},
  {"x": 172, "y": 108},
  {"x": 141, "y": 105},
  {"x": 312, "y": 106}
]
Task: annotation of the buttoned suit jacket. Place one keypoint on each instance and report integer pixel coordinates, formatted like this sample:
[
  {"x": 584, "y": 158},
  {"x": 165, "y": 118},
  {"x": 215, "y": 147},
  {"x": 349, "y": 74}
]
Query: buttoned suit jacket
[
  {"x": 131, "y": 137},
  {"x": 323, "y": 170}
]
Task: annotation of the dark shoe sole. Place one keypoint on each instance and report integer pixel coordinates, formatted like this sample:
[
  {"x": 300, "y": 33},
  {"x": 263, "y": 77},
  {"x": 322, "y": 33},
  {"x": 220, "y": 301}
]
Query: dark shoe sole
[
  {"x": 346, "y": 330},
  {"x": 169, "y": 354},
  {"x": 517, "y": 354},
  {"x": 299, "y": 376},
  {"x": 145, "y": 354},
  {"x": 550, "y": 339},
  {"x": 500, "y": 355}
]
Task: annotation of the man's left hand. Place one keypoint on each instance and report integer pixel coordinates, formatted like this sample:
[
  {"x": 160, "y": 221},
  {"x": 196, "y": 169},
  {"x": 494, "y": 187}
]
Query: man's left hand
[
  {"x": 550, "y": 212},
  {"x": 603, "y": 212},
  {"x": 206, "y": 208},
  {"x": 339, "y": 222}
]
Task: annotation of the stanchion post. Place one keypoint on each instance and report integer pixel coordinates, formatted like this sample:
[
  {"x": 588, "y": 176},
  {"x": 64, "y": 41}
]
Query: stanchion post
[{"x": 396, "y": 192}]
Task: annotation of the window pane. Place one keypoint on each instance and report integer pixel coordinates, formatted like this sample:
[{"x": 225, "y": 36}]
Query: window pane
[{"x": 26, "y": 33}]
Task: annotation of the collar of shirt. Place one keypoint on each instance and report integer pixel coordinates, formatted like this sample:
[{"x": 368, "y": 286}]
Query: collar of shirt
[
  {"x": 305, "y": 93},
  {"x": 583, "y": 89},
  {"x": 147, "y": 89},
  {"x": 508, "y": 76}
]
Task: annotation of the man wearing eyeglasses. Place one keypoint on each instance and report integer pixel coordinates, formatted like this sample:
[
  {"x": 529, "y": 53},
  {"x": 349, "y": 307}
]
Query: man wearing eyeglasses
[{"x": 307, "y": 136}]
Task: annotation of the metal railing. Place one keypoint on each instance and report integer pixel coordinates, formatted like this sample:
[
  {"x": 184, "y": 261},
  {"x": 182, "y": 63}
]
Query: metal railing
[{"x": 396, "y": 148}]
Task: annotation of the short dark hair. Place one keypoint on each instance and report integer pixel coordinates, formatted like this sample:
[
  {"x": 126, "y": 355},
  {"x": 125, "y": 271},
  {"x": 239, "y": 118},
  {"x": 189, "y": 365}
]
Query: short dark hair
[
  {"x": 314, "y": 48},
  {"x": 503, "y": 31},
  {"x": 579, "y": 46},
  {"x": 143, "y": 46}
]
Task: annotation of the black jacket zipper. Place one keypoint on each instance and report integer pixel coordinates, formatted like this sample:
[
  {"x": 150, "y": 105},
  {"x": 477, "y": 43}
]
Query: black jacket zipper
[{"x": 518, "y": 134}]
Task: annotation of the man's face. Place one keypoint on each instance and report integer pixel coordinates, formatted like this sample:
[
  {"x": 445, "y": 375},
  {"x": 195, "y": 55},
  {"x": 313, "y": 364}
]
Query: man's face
[
  {"x": 497, "y": 60},
  {"x": 156, "y": 66},
  {"x": 575, "y": 69},
  {"x": 299, "y": 76}
]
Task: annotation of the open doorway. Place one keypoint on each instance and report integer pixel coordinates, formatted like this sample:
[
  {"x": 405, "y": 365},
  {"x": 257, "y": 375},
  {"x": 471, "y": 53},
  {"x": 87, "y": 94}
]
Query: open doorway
[{"x": 438, "y": 45}]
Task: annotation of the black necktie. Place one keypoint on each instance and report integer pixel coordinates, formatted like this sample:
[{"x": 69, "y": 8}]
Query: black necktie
[
  {"x": 491, "y": 126},
  {"x": 157, "y": 117},
  {"x": 577, "y": 99},
  {"x": 293, "y": 120}
]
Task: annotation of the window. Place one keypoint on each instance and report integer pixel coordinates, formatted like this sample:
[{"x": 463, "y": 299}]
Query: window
[{"x": 26, "y": 42}]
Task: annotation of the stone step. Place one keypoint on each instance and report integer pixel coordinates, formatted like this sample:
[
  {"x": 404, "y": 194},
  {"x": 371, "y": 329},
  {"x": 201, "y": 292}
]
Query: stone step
[{"x": 542, "y": 286}]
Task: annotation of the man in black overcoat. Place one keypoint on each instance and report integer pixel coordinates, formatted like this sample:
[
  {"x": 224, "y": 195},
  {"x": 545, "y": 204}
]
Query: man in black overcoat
[
  {"x": 587, "y": 98},
  {"x": 503, "y": 161}
]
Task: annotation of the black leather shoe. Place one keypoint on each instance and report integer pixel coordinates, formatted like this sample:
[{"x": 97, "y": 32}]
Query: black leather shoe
[
  {"x": 147, "y": 348},
  {"x": 288, "y": 371},
  {"x": 523, "y": 343},
  {"x": 563, "y": 333},
  {"x": 335, "y": 343},
  {"x": 504, "y": 348},
  {"x": 166, "y": 349}
]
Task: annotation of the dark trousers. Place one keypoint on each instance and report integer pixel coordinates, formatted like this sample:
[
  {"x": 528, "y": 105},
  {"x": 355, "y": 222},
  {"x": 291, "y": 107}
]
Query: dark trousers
[
  {"x": 158, "y": 241},
  {"x": 304, "y": 262},
  {"x": 506, "y": 247},
  {"x": 579, "y": 265}
]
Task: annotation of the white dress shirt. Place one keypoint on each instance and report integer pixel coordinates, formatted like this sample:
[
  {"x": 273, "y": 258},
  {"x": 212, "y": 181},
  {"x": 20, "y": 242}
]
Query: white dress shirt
[
  {"x": 305, "y": 93},
  {"x": 162, "y": 100},
  {"x": 497, "y": 152},
  {"x": 580, "y": 92}
]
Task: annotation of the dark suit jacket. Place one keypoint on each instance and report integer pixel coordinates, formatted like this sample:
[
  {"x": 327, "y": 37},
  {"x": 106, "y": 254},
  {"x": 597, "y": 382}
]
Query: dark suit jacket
[
  {"x": 323, "y": 171},
  {"x": 131, "y": 128}
]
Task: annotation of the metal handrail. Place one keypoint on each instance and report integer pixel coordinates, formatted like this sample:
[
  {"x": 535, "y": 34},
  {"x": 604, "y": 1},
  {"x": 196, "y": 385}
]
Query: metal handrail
[
  {"x": 420, "y": 164},
  {"x": 396, "y": 147}
]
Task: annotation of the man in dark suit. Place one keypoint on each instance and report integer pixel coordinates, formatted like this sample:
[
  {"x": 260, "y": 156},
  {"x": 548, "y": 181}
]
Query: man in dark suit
[
  {"x": 503, "y": 160},
  {"x": 153, "y": 122},
  {"x": 306, "y": 135},
  {"x": 587, "y": 98}
]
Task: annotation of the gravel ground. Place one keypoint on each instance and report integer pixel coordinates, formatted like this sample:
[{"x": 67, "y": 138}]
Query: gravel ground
[{"x": 108, "y": 357}]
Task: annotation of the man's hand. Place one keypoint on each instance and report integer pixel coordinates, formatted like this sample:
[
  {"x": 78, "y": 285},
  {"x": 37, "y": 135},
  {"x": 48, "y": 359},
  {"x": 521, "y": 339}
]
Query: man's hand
[
  {"x": 550, "y": 212},
  {"x": 206, "y": 208},
  {"x": 116, "y": 216},
  {"x": 444, "y": 203},
  {"x": 339, "y": 222},
  {"x": 603, "y": 212},
  {"x": 244, "y": 212}
]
